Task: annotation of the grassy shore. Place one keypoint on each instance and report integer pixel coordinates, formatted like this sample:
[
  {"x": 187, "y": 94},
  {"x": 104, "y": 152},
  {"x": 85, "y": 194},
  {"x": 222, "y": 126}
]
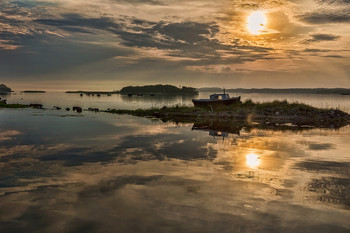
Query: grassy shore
[
  {"x": 270, "y": 112},
  {"x": 5, "y": 105}
]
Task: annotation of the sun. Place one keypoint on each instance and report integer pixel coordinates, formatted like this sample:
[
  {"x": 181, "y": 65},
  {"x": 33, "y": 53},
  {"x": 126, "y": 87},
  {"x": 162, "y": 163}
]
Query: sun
[{"x": 256, "y": 22}]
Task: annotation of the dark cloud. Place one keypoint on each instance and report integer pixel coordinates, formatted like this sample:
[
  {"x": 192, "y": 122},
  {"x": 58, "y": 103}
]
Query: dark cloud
[
  {"x": 150, "y": 2},
  {"x": 190, "y": 32},
  {"x": 326, "y": 17},
  {"x": 333, "y": 1},
  {"x": 42, "y": 54},
  {"x": 31, "y": 3},
  {"x": 326, "y": 37},
  {"x": 321, "y": 37},
  {"x": 316, "y": 50},
  {"x": 334, "y": 56},
  {"x": 68, "y": 21}
]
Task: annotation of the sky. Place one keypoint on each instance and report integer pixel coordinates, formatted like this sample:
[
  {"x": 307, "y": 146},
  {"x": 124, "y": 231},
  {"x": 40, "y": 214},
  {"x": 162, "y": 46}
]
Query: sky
[{"x": 108, "y": 44}]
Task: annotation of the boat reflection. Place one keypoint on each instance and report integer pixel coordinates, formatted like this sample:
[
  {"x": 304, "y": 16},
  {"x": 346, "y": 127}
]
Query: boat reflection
[{"x": 217, "y": 128}]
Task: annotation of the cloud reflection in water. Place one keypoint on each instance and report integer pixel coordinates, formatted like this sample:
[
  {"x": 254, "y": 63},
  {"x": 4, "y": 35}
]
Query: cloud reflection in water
[{"x": 173, "y": 180}]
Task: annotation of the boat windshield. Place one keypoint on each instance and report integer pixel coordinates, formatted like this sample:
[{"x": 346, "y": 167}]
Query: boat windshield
[{"x": 219, "y": 96}]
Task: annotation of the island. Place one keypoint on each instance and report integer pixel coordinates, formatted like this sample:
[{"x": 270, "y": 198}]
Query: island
[
  {"x": 5, "y": 89},
  {"x": 248, "y": 112},
  {"x": 158, "y": 90}
]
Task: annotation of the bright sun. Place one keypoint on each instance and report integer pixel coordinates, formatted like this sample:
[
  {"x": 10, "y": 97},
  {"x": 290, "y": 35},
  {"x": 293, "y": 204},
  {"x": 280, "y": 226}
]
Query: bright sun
[{"x": 256, "y": 22}]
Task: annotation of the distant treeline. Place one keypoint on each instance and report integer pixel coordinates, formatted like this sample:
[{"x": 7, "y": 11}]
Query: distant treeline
[
  {"x": 158, "y": 89},
  {"x": 29, "y": 91},
  {"x": 339, "y": 91},
  {"x": 92, "y": 92}
]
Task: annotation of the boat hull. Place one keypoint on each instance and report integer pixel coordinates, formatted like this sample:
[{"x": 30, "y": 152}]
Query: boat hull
[{"x": 214, "y": 103}]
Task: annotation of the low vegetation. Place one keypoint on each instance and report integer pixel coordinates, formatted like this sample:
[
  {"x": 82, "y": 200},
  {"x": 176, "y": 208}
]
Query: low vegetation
[
  {"x": 272, "y": 112},
  {"x": 5, "y": 105},
  {"x": 243, "y": 108}
]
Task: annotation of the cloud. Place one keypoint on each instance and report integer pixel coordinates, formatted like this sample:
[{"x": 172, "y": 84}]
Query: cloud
[
  {"x": 326, "y": 17},
  {"x": 71, "y": 21},
  {"x": 142, "y": 39},
  {"x": 150, "y": 2},
  {"x": 321, "y": 37},
  {"x": 331, "y": 2},
  {"x": 189, "y": 39}
]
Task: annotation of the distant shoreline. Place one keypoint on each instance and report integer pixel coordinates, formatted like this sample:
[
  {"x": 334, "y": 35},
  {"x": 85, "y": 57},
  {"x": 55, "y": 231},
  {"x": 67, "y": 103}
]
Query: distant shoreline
[
  {"x": 29, "y": 91},
  {"x": 267, "y": 113},
  {"x": 92, "y": 92},
  {"x": 337, "y": 91}
]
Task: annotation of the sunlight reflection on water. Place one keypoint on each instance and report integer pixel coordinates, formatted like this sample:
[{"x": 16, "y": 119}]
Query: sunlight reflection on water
[{"x": 253, "y": 161}]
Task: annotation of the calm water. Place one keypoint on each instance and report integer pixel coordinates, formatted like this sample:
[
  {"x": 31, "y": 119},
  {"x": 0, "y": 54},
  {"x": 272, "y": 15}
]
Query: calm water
[
  {"x": 97, "y": 172},
  {"x": 61, "y": 99}
]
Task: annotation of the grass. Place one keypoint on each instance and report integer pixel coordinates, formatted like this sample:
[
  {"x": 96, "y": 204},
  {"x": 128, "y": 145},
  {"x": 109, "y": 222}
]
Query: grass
[
  {"x": 277, "y": 106},
  {"x": 4, "y": 105},
  {"x": 243, "y": 108},
  {"x": 153, "y": 111}
]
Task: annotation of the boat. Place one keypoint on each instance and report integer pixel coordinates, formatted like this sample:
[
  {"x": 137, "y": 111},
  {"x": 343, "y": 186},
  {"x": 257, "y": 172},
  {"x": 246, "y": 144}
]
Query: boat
[{"x": 216, "y": 100}]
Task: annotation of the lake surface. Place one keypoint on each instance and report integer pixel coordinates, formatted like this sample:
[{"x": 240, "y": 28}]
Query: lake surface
[
  {"x": 98, "y": 172},
  {"x": 117, "y": 101}
]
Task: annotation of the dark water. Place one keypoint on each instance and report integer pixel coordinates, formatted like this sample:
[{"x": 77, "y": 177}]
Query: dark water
[{"x": 96, "y": 172}]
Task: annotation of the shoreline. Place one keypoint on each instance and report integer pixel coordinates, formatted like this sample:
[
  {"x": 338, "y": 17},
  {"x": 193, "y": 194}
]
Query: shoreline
[
  {"x": 269, "y": 113},
  {"x": 248, "y": 112}
]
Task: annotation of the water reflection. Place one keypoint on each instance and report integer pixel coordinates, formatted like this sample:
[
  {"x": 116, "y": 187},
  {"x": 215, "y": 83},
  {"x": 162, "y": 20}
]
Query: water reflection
[
  {"x": 253, "y": 160},
  {"x": 49, "y": 99},
  {"x": 93, "y": 173}
]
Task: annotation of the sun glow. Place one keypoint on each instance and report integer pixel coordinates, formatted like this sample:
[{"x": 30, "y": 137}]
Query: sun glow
[
  {"x": 256, "y": 22},
  {"x": 252, "y": 160}
]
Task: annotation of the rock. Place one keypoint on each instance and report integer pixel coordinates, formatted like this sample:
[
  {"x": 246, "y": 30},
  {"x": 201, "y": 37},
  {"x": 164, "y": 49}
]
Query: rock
[
  {"x": 93, "y": 109},
  {"x": 67, "y": 109},
  {"x": 38, "y": 106},
  {"x": 77, "y": 109}
]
